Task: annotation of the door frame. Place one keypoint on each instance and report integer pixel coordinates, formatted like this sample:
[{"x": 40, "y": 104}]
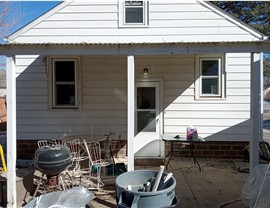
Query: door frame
[{"x": 161, "y": 110}]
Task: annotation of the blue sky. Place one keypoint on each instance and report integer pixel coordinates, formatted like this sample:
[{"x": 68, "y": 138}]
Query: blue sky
[
  {"x": 25, "y": 12},
  {"x": 30, "y": 10}
]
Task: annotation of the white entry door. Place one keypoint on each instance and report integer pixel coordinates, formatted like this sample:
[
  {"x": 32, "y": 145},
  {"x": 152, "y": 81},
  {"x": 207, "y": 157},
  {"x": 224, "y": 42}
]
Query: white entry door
[{"x": 147, "y": 120}]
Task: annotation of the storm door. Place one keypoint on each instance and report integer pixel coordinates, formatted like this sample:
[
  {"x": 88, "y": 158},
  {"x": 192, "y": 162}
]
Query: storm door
[{"x": 147, "y": 120}]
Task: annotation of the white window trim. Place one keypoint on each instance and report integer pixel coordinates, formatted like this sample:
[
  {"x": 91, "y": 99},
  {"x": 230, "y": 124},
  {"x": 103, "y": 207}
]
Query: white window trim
[
  {"x": 221, "y": 77},
  {"x": 52, "y": 84},
  {"x": 121, "y": 15}
]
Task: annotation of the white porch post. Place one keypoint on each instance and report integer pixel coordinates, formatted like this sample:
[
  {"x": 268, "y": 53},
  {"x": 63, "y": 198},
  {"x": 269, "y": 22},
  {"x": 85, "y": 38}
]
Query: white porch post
[
  {"x": 130, "y": 105},
  {"x": 256, "y": 105},
  {"x": 11, "y": 133}
]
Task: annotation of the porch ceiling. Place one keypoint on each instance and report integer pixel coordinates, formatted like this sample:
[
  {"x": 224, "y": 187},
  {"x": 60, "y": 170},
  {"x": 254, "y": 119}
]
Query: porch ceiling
[{"x": 134, "y": 49}]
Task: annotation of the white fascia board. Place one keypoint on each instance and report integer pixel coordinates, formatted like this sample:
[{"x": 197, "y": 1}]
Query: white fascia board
[
  {"x": 38, "y": 20},
  {"x": 235, "y": 21}
]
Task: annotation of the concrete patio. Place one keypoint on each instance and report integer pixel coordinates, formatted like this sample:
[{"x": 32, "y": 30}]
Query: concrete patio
[{"x": 219, "y": 184}]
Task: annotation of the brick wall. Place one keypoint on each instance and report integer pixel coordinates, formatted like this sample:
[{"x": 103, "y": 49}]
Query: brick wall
[
  {"x": 219, "y": 150},
  {"x": 26, "y": 149}
]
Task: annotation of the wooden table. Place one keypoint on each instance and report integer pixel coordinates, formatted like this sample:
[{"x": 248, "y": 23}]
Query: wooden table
[{"x": 181, "y": 138}]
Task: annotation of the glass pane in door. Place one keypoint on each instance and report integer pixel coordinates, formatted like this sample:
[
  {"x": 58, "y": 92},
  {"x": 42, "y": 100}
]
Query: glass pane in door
[
  {"x": 146, "y": 121},
  {"x": 146, "y": 109},
  {"x": 146, "y": 98}
]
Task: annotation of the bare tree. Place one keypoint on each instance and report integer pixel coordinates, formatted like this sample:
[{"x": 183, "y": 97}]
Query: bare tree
[{"x": 10, "y": 16}]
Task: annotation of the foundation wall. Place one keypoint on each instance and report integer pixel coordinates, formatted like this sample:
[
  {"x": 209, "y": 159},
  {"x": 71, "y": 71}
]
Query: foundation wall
[{"x": 219, "y": 150}]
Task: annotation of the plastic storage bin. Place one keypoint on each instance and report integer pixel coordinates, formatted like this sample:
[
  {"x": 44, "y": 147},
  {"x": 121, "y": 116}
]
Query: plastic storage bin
[{"x": 135, "y": 198}]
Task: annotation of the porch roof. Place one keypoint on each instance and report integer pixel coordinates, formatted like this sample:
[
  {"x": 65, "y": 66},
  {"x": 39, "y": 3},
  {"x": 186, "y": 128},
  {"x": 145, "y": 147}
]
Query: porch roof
[{"x": 133, "y": 48}]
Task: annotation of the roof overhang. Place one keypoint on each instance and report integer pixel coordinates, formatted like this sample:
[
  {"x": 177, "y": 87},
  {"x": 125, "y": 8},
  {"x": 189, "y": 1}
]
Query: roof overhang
[{"x": 134, "y": 49}]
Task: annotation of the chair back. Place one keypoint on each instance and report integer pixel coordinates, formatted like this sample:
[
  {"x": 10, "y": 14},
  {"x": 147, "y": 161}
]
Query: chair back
[
  {"x": 46, "y": 142},
  {"x": 108, "y": 146},
  {"x": 93, "y": 151},
  {"x": 42, "y": 143},
  {"x": 74, "y": 146}
]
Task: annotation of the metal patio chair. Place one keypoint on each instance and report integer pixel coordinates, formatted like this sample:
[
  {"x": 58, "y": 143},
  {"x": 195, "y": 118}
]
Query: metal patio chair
[
  {"x": 47, "y": 142},
  {"x": 96, "y": 162},
  {"x": 74, "y": 172},
  {"x": 108, "y": 146}
]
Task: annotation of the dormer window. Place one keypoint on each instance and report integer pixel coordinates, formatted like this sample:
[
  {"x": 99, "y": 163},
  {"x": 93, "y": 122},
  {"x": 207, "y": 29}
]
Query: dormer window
[{"x": 133, "y": 14}]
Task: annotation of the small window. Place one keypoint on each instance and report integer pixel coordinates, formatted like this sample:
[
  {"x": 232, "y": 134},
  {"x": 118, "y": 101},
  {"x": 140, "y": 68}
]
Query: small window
[
  {"x": 210, "y": 73},
  {"x": 134, "y": 13},
  {"x": 64, "y": 83},
  {"x": 210, "y": 82}
]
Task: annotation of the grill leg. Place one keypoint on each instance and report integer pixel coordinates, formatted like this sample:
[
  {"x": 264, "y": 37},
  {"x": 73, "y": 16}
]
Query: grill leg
[{"x": 39, "y": 182}]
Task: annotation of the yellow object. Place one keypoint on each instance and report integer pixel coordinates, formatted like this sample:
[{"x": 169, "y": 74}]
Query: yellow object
[{"x": 3, "y": 158}]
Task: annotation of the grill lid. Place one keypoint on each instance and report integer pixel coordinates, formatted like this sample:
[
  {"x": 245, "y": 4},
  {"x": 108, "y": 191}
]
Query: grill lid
[{"x": 53, "y": 159}]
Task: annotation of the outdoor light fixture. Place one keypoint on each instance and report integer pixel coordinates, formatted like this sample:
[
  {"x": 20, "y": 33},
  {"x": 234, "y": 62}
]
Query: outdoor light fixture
[
  {"x": 145, "y": 71},
  {"x": 44, "y": 60}
]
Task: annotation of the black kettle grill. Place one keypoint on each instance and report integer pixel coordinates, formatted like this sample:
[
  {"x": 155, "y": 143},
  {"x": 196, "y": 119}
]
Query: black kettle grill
[{"x": 51, "y": 160}]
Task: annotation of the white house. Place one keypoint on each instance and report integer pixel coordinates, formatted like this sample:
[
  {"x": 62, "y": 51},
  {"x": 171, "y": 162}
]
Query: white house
[
  {"x": 139, "y": 69},
  {"x": 74, "y": 76}
]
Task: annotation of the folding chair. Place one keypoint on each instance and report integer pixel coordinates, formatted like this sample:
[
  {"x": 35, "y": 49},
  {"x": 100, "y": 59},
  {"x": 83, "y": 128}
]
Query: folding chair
[
  {"x": 96, "y": 162},
  {"x": 78, "y": 153}
]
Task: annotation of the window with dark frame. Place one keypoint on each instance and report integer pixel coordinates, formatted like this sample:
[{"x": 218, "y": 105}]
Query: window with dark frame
[{"x": 64, "y": 83}]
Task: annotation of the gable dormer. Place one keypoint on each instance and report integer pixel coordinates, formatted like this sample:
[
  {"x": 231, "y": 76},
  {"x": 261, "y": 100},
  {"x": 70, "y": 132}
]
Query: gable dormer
[{"x": 134, "y": 22}]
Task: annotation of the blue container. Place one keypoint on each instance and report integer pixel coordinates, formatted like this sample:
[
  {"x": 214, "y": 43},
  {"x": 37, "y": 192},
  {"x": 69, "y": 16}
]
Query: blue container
[{"x": 95, "y": 168}]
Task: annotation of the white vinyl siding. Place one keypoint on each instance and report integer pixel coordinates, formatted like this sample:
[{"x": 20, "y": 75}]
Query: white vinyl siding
[
  {"x": 168, "y": 21},
  {"x": 220, "y": 120},
  {"x": 104, "y": 98},
  {"x": 216, "y": 120}
]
